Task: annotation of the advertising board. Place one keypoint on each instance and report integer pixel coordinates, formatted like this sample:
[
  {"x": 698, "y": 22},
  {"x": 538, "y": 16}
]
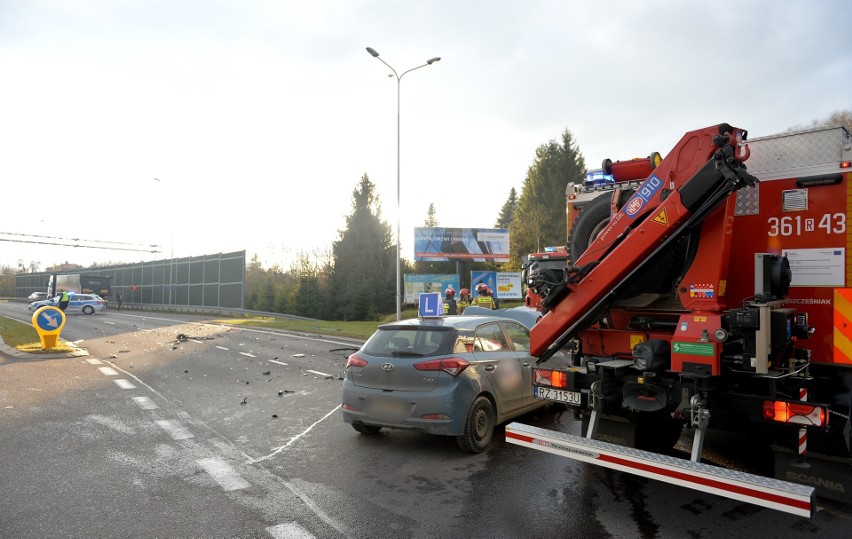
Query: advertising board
[
  {"x": 438, "y": 244},
  {"x": 421, "y": 283}
]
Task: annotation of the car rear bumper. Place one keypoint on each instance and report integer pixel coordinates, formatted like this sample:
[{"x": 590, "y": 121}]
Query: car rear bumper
[{"x": 407, "y": 408}]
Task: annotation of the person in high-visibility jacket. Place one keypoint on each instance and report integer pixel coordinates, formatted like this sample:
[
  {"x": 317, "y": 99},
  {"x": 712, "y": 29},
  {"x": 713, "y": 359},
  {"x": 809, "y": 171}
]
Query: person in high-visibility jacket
[
  {"x": 464, "y": 300},
  {"x": 482, "y": 298},
  {"x": 64, "y": 298},
  {"x": 450, "y": 306}
]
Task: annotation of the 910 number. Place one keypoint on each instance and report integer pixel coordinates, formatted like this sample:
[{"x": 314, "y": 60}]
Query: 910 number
[{"x": 795, "y": 226}]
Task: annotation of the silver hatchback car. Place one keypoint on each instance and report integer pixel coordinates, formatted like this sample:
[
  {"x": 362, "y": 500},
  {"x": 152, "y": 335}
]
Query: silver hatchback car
[{"x": 457, "y": 376}]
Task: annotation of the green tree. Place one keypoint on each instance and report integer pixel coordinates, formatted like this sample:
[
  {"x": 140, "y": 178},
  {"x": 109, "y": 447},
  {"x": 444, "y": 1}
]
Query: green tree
[
  {"x": 363, "y": 278},
  {"x": 507, "y": 212},
  {"x": 539, "y": 220},
  {"x": 431, "y": 220}
]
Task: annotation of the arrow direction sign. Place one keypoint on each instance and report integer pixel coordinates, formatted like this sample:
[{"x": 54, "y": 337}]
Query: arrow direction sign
[
  {"x": 48, "y": 322},
  {"x": 51, "y": 321}
]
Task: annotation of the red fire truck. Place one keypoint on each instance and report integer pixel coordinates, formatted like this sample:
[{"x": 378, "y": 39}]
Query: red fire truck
[{"x": 714, "y": 293}]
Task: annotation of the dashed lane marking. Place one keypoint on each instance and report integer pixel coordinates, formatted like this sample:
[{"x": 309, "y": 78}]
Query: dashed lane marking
[
  {"x": 94, "y": 361},
  {"x": 175, "y": 429},
  {"x": 108, "y": 322},
  {"x": 221, "y": 348},
  {"x": 277, "y": 362},
  {"x": 195, "y": 341},
  {"x": 223, "y": 474},
  {"x": 246, "y": 354},
  {"x": 124, "y": 384},
  {"x": 289, "y": 530},
  {"x": 109, "y": 371},
  {"x": 320, "y": 373},
  {"x": 145, "y": 403}
]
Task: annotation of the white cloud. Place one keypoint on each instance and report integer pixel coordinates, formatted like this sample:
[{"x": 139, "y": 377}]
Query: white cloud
[{"x": 259, "y": 118}]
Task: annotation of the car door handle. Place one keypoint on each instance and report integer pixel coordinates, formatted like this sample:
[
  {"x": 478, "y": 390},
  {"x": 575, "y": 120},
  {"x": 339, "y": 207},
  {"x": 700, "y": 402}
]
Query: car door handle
[{"x": 490, "y": 368}]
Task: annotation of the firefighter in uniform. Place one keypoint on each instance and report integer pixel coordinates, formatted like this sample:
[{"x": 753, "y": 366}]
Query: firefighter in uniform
[
  {"x": 450, "y": 306},
  {"x": 482, "y": 298},
  {"x": 464, "y": 300}
]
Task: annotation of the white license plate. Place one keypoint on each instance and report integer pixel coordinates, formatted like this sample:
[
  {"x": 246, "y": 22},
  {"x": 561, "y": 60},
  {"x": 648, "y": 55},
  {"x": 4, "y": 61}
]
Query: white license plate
[
  {"x": 389, "y": 409},
  {"x": 559, "y": 395}
]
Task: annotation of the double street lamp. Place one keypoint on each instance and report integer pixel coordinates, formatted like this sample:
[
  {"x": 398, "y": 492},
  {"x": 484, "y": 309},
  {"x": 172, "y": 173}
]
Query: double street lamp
[{"x": 398, "y": 76}]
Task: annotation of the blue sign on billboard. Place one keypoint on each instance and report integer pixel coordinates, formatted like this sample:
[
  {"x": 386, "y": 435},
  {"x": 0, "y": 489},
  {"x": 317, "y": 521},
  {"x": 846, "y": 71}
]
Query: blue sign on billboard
[
  {"x": 438, "y": 244},
  {"x": 420, "y": 283},
  {"x": 487, "y": 277}
]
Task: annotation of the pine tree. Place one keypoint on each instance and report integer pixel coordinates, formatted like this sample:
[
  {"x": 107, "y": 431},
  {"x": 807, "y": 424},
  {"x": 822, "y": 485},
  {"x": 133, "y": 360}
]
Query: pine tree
[
  {"x": 507, "y": 212},
  {"x": 539, "y": 220},
  {"x": 363, "y": 277}
]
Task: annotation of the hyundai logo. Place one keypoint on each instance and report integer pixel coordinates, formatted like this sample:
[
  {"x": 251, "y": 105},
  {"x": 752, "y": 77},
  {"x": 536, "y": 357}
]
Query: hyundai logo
[{"x": 387, "y": 367}]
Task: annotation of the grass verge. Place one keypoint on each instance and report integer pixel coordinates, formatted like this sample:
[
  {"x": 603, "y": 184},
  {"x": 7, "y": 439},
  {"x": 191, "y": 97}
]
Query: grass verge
[{"x": 24, "y": 337}]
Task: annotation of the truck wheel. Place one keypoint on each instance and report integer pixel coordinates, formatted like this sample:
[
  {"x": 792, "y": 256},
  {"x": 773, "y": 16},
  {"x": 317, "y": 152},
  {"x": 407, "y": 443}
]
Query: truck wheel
[
  {"x": 478, "y": 427},
  {"x": 365, "y": 429},
  {"x": 88, "y": 309},
  {"x": 594, "y": 219}
]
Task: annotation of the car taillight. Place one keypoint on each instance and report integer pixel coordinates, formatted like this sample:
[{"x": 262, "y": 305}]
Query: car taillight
[
  {"x": 451, "y": 365},
  {"x": 545, "y": 377},
  {"x": 356, "y": 361}
]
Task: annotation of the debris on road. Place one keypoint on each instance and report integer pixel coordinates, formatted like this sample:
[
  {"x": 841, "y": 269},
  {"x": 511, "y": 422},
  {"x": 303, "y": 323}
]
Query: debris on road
[
  {"x": 266, "y": 373},
  {"x": 275, "y": 416},
  {"x": 298, "y": 355},
  {"x": 245, "y": 399}
]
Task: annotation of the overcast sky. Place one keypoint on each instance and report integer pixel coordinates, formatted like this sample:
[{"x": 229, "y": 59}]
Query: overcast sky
[{"x": 258, "y": 118}]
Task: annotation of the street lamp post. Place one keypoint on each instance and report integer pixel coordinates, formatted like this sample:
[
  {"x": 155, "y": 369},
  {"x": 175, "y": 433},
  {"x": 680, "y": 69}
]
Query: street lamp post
[{"x": 429, "y": 62}]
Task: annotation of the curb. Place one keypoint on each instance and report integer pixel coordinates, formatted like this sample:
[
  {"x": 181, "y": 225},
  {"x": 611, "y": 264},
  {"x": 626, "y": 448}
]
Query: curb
[{"x": 7, "y": 350}]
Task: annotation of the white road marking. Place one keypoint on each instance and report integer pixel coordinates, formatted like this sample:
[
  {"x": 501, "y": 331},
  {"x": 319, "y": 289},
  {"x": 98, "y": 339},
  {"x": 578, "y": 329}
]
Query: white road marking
[
  {"x": 124, "y": 384},
  {"x": 289, "y": 530},
  {"x": 246, "y": 354},
  {"x": 94, "y": 361},
  {"x": 277, "y": 362},
  {"x": 109, "y": 371},
  {"x": 175, "y": 429},
  {"x": 320, "y": 373},
  {"x": 108, "y": 322},
  {"x": 145, "y": 403},
  {"x": 114, "y": 424},
  {"x": 197, "y": 342},
  {"x": 151, "y": 389},
  {"x": 220, "y": 347},
  {"x": 78, "y": 341},
  {"x": 292, "y": 440},
  {"x": 223, "y": 474}
]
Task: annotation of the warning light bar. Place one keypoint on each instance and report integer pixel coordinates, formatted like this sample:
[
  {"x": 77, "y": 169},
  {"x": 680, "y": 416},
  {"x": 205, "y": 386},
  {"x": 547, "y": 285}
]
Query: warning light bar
[{"x": 798, "y": 413}]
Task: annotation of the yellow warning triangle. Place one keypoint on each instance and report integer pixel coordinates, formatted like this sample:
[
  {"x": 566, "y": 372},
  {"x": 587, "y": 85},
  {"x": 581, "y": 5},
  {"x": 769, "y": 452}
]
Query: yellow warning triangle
[{"x": 661, "y": 218}]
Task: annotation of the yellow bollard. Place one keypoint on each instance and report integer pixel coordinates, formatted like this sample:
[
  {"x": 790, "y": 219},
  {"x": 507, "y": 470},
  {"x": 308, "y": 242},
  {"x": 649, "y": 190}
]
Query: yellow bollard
[{"x": 48, "y": 322}]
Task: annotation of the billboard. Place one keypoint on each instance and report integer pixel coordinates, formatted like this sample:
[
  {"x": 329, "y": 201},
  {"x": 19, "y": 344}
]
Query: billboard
[
  {"x": 422, "y": 283},
  {"x": 438, "y": 244},
  {"x": 506, "y": 285}
]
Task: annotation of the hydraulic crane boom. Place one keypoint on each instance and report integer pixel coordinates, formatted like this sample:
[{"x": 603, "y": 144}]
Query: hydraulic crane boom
[{"x": 698, "y": 175}]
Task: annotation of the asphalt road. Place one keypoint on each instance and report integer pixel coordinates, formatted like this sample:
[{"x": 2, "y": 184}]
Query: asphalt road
[{"x": 154, "y": 436}]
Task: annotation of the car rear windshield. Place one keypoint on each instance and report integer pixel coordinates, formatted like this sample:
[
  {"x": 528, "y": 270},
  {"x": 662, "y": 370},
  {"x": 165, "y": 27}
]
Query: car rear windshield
[{"x": 409, "y": 341}]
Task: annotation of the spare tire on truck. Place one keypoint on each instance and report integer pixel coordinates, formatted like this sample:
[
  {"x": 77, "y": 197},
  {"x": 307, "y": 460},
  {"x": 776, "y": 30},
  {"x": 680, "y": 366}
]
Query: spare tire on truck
[{"x": 595, "y": 217}]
